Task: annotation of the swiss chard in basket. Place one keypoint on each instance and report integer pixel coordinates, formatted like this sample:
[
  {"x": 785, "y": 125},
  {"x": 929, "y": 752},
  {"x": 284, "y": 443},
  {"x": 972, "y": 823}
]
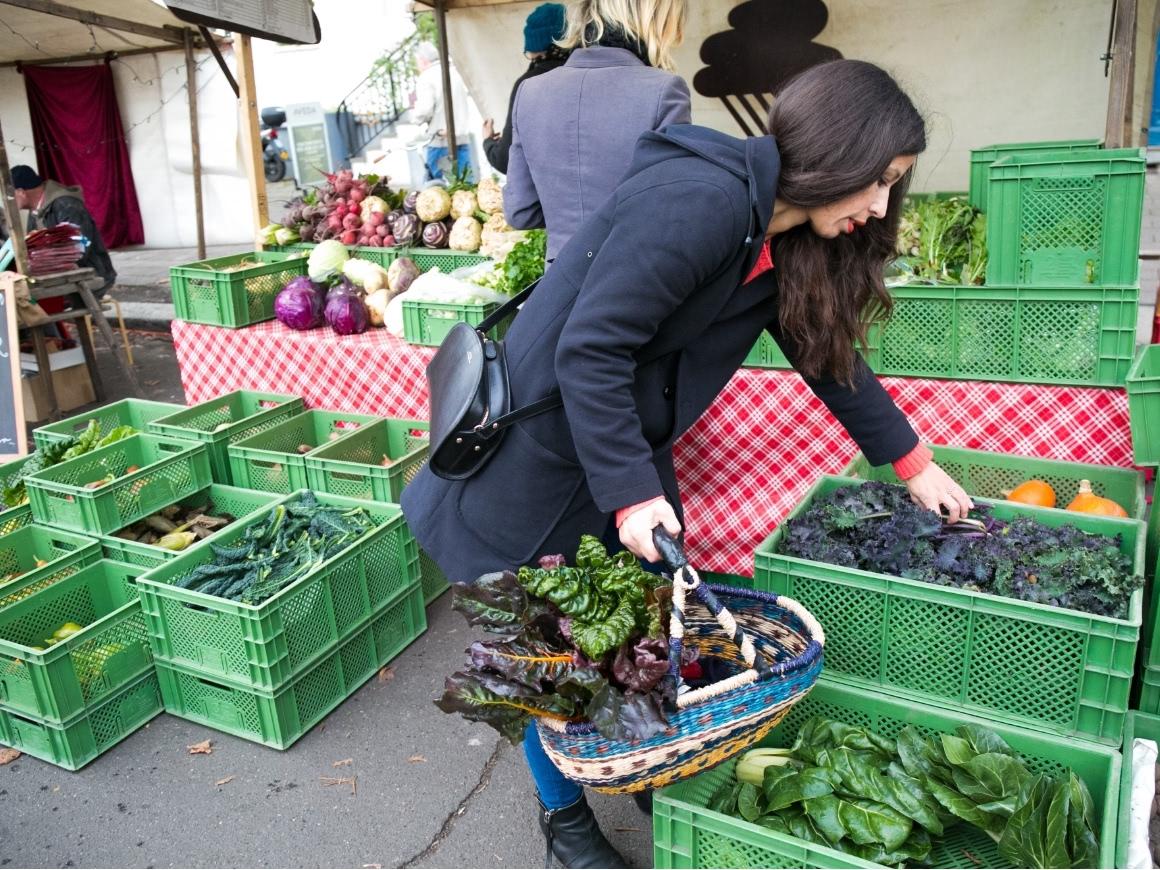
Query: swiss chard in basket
[{"x": 582, "y": 642}]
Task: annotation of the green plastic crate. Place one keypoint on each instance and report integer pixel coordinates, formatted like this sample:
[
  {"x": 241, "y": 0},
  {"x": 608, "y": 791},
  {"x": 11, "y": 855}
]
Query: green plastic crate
[
  {"x": 167, "y": 470},
  {"x": 982, "y": 158},
  {"x": 15, "y": 518},
  {"x": 204, "y": 293},
  {"x": 383, "y": 256},
  {"x": 62, "y": 553},
  {"x": 263, "y": 647},
  {"x": 1149, "y": 688},
  {"x": 279, "y": 718},
  {"x": 76, "y": 743},
  {"x": 428, "y": 323},
  {"x": 67, "y": 678},
  {"x": 1012, "y": 661},
  {"x": 988, "y": 475},
  {"x": 767, "y": 354},
  {"x": 1066, "y": 219},
  {"x": 1143, "y": 384},
  {"x": 1147, "y": 727},
  {"x": 1079, "y": 335},
  {"x": 353, "y": 466},
  {"x": 127, "y": 412},
  {"x": 727, "y": 579},
  {"x": 686, "y": 834},
  {"x": 294, "y": 247},
  {"x": 226, "y": 420},
  {"x": 270, "y": 461},
  {"x": 239, "y": 503},
  {"x": 444, "y": 260}
]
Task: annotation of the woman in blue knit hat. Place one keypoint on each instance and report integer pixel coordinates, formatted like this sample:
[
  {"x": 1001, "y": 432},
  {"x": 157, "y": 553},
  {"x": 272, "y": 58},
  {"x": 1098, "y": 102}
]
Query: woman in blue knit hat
[{"x": 542, "y": 28}]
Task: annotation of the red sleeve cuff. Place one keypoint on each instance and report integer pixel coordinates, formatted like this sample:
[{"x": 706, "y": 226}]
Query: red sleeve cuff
[
  {"x": 622, "y": 514},
  {"x": 913, "y": 462}
]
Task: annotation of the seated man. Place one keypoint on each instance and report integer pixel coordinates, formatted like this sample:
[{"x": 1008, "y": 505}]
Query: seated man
[{"x": 51, "y": 203}]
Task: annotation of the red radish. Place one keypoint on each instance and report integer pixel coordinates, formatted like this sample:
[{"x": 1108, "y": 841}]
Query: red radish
[
  {"x": 334, "y": 223},
  {"x": 356, "y": 195},
  {"x": 349, "y": 237},
  {"x": 351, "y": 222},
  {"x": 341, "y": 210},
  {"x": 375, "y": 242},
  {"x": 378, "y": 218},
  {"x": 388, "y": 241},
  {"x": 382, "y": 231}
]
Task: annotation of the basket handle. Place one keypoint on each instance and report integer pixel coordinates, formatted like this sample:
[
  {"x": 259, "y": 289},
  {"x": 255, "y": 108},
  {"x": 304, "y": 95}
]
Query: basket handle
[{"x": 686, "y": 579}]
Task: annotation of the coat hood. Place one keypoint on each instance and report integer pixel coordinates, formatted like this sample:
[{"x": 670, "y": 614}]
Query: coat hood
[
  {"x": 55, "y": 190},
  {"x": 754, "y": 160}
]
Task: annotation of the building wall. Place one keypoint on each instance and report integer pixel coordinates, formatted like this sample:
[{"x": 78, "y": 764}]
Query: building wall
[{"x": 990, "y": 71}]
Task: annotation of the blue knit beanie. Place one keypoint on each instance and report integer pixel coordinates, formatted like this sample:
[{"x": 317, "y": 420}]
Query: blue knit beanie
[{"x": 544, "y": 25}]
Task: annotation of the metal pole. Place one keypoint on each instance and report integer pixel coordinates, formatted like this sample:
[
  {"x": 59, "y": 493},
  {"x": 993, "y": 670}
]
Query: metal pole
[
  {"x": 195, "y": 143},
  {"x": 445, "y": 62}
]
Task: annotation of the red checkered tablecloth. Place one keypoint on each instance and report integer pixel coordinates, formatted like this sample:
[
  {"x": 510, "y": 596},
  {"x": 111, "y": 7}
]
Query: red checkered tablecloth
[{"x": 744, "y": 464}]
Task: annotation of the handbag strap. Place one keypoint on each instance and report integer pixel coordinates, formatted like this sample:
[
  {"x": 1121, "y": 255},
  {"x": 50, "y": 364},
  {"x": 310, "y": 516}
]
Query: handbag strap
[{"x": 507, "y": 308}]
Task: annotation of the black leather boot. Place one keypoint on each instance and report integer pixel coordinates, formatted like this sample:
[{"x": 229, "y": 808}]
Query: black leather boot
[
  {"x": 643, "y": 800},
  {"x": 575, "y": 838}
]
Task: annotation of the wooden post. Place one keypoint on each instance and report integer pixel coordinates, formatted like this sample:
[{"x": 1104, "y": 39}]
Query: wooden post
[
  {"x": 445, "y": 63},
  {"x": 1120, "y": 89},
  {"x": 194, "y": 143},
  {"x": 11, "y": 212},
  {"x": 251, "y": 134}
]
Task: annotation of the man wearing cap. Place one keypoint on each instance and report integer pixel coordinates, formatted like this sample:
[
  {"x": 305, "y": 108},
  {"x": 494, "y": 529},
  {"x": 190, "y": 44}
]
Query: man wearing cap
[
  {"x": 542, "y": 28},
  {"x": 50, "y": 203}
]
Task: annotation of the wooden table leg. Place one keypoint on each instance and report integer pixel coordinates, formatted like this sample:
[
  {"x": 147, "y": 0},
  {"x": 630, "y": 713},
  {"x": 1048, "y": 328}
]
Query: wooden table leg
[
  {"x": 98, "y": 315},
  {"x": 44, "y": 370},
  {"x": 90, "y": 356}
]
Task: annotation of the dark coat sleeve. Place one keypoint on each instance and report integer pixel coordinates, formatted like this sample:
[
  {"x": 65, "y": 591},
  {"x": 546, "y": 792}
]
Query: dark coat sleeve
[
  {"x": 636, "y": 280},
  {"x": 864, "y": 408}
]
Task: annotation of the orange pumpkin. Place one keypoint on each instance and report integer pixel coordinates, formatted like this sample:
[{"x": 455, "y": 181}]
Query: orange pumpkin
[
  {"x": 1087, "y": 502},
  {"x": 1033, "y": 492}
]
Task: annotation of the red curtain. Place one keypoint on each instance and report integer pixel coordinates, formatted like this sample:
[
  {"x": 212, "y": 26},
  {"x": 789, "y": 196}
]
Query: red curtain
[{"x": 76, "y": 126}]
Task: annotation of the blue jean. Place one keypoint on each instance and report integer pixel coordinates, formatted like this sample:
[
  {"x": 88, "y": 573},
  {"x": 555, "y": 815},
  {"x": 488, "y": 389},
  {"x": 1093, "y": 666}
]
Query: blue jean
[
  {"x": 556, "y": 791},
  {"x": 435, "y": 153}
]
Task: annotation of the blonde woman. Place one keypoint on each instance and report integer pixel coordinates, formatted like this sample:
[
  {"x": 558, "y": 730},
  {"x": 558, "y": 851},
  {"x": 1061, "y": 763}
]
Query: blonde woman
[{"x": 574, "y": 128}]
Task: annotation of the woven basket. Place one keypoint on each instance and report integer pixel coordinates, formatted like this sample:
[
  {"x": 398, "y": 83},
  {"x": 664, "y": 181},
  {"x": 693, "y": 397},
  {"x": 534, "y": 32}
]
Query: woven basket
[{"x": 771, "y": 646}]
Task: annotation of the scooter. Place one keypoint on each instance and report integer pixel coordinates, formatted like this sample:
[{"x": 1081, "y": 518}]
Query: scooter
[{"x": 274, "y": 156}]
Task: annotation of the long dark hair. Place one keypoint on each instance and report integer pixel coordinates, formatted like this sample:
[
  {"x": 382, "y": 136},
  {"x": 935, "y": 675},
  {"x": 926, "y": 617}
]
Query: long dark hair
[{"x": 838, "y": 126}]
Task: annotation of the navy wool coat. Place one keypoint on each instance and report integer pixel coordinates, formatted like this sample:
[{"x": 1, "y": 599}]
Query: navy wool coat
[{"x": 640, "y": 323}]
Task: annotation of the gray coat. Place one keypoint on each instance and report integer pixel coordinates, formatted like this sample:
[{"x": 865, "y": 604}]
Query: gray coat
[{"x": 573, "y": 133}]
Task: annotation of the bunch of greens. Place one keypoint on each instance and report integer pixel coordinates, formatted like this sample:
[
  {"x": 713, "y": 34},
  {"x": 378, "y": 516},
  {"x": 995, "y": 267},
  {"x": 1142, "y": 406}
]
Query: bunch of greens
[
  {"x": 942, "y": 241},
  {"x": 14, "y": 494},
  {"x": 876, "y": 527},
  {"x": 524, "y": 264},
  {"x": 295, "y": 538},
  {"x": 583, "y": 642},
  {"x": 883, "y": 800}
]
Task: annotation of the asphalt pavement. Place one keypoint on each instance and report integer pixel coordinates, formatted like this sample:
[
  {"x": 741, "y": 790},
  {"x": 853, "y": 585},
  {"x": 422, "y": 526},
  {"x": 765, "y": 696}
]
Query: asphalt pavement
[{"x": 415, "y": 788}]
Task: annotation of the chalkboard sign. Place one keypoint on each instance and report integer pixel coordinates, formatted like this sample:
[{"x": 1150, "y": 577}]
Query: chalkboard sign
[
  {"x": 309, "y": 145},
  {"x": 12, "y": 439}
]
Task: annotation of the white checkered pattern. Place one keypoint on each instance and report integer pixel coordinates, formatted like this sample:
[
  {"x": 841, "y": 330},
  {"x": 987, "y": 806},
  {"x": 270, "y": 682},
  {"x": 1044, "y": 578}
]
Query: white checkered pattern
[{"x": 744, "y": 464}]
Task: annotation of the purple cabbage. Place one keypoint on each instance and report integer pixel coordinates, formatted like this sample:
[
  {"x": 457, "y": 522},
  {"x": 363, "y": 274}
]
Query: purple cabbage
[
  {"x": 407, "y": 229},
  {"x": 435, "y": 235},
  {"x": 342, "y": 287},
  {"x": 347, "y": 314},
  {"x": 299, "y": 304}
]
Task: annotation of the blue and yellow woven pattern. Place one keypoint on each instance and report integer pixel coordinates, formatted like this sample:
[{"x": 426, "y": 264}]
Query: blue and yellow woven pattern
[{"x": 704, "y": 734}]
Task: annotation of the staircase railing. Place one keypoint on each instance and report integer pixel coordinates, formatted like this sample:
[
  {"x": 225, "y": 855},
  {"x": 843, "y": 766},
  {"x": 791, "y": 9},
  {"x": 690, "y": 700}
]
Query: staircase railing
[{"x": 379, "y": 100}]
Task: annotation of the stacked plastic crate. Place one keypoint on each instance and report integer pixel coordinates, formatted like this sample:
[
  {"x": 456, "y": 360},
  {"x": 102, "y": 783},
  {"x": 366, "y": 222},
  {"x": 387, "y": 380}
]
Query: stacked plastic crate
[{"x": 1059, "y": 306}]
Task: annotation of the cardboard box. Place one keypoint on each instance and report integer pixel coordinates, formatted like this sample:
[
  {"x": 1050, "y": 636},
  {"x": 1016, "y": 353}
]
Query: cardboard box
[{"x": 71, "y": 381}]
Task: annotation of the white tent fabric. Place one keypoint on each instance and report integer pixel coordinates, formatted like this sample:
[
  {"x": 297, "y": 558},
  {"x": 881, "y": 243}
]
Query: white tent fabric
[{"x": 36, "y": 36}]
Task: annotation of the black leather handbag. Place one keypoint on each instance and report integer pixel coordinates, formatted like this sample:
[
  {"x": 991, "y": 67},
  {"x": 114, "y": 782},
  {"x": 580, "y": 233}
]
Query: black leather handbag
[{"x": 467, "y": 381}]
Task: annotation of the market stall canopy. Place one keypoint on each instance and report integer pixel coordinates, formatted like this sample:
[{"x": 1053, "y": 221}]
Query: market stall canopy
[{"x": 38, "y": 31}]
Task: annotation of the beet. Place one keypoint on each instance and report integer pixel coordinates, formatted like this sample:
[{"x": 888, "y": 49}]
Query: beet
[{"x": 435, "y": 235}]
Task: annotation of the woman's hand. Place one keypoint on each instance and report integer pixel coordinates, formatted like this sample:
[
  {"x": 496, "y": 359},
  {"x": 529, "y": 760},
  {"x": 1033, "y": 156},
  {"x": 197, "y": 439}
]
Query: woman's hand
[
  {"x": 636, "y": 530},
  {"x": 933, "y": 488}
]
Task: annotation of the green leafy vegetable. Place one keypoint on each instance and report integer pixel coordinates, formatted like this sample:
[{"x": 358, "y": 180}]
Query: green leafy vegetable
[
  {"x": 12, "y": 490},
  {"x": 875, "y": 526},
  {"x": 942, "y": 241},
  {"x": 883, "y": 800},
  {"x": 525, "y": 263}
]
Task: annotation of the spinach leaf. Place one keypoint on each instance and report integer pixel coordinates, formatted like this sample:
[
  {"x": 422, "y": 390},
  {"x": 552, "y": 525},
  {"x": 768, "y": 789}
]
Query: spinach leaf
[
  {"x": 964, "y": 808},
  {"x": 808, "y": 782},
  {"x": 1081, "y": 824},
  {"x": 992, "y": 779},
  {"x": 724, "y": 799},
  {"x": 864, "y": 821},
  {"x": 749, "y": 802},
  {"x": 859, "y": 778},
  {"x": 916, "y": 848}
]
